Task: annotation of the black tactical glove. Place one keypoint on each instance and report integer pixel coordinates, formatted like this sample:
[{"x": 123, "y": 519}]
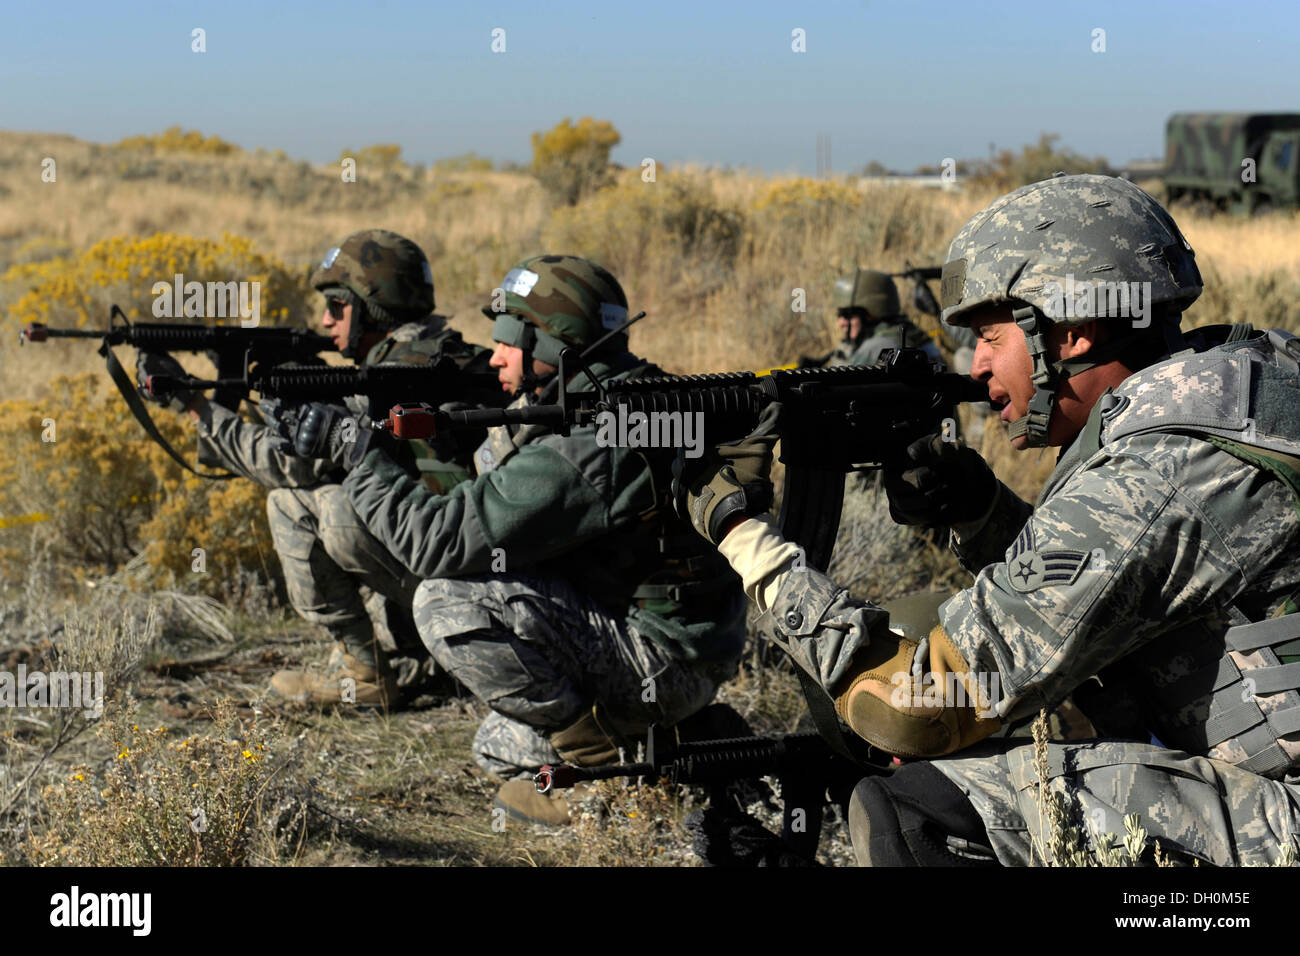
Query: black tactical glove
[
  {"x": 939, "y": 483},
  {"x": 330, "y": 432},
  {"x": 731, "y": 480},
  {"x": 153, "y": 370}
]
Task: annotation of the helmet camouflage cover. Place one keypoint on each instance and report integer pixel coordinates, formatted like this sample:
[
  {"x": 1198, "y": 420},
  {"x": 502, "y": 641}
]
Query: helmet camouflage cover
[
  {"x": 387, "y": 272},
  {"x": 549, "y": 302},
  {"x": 870, "y": 290},
  {"x": 1070, "y": 250},
  {"x": 1057, "y": 244}
]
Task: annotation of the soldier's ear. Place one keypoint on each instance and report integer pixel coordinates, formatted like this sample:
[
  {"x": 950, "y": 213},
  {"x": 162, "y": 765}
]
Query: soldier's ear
[{"x": 1078, "y": 339}]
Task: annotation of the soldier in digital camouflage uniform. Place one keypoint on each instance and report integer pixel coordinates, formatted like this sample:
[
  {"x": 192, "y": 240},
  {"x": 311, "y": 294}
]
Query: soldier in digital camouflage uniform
[
  {"x": 870, "y": 318},
  {"x": 1156, "y": 579},
  {"x": 559, "y": 586},
  {"x": 378, "y": 289}
]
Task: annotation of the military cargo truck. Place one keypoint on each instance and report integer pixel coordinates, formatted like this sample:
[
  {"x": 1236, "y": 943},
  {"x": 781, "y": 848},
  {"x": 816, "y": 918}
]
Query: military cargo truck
[{"x": 1206, "y": 154}]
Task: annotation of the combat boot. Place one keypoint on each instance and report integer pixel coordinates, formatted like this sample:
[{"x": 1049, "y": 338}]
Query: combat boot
[
  {"x": 343, "y": 680},
  {"x": 588, "y": 742}
]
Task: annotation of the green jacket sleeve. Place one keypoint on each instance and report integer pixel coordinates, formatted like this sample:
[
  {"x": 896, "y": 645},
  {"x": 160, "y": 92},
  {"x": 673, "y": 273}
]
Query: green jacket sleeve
[{"x": 547, "y": 499}]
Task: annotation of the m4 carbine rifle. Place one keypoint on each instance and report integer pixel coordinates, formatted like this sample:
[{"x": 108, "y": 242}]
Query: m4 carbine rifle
[
  {"x": 833, "y": 421},
  {"x": 804, "y": 764},
  {"x": 233, "y": 349},
  {"x": 439, "y": 382}
]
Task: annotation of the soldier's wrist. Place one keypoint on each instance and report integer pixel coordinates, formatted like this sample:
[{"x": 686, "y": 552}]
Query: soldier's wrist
[{"x": 965, "y": 531}]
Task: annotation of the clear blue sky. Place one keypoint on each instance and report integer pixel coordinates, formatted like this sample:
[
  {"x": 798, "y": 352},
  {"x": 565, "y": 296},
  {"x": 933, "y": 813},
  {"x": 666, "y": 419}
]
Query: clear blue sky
[{"x": 901, "y": 82}]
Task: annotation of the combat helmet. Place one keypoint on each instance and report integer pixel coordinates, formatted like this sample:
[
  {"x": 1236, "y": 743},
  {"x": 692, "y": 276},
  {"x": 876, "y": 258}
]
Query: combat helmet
[
  {"x": 384, "y": 276},
  {"x": 1069, "y": 250},
  {"x": 548, "y": 303},
  {"x": 867, "y": 289}
]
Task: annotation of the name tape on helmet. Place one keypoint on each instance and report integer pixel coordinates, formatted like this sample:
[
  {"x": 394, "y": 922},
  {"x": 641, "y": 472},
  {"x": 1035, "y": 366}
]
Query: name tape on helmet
[
  {"x": 330, "y": 257},
  {"x": 952, "y": 283},
  {"x": 611, "y": 315},
  {"x": 520, "y": 282}
]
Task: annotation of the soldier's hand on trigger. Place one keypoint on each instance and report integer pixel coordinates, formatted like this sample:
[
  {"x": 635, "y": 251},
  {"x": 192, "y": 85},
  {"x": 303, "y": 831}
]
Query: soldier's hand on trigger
[
  {"x": 731, "y": 481},
  {"x": 939, "y": 482},
  {"x": 331, "y": 432},
  {"x": 152, "y": 370}
]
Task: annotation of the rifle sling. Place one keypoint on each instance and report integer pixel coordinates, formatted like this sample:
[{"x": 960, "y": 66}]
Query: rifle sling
[
  {"x": 127, "y": 388},
  {"x": 827, "y": 722}
]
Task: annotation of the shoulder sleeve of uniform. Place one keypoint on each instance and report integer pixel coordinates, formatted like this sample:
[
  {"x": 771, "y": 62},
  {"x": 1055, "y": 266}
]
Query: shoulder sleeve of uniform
[{"x": 1152, "y": 533}]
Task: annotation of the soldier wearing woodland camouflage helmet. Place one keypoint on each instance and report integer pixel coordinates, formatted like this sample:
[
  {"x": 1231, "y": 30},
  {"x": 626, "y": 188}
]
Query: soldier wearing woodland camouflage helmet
[
  {"x": 1162, "y": 558},
  {"x": 379, "y": 301},
  {"x": 871, "y": 320},
  {"x": 559, "y": 586}
]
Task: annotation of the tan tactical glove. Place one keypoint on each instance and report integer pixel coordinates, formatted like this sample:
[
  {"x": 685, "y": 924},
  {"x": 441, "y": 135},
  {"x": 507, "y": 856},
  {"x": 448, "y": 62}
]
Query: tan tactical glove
[
  {"x": 732, "y": 480},
  {"x": 888, "y": 701}
]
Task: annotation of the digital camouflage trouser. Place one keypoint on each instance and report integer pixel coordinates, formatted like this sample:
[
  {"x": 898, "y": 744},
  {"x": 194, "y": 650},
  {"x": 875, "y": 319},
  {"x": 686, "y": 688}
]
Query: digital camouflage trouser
[
  {"x": 1206, "y": 808},
  {"x": 540, "y": 654},
  {"x": 337, "y": 573}
]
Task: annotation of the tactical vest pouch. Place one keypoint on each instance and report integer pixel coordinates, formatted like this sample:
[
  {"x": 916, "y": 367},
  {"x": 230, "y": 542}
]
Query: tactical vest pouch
[{"x": 1258, "y": 704}]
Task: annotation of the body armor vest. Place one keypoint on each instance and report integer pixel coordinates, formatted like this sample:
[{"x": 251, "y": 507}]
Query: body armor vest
[{"x": 1227, "y": 685}]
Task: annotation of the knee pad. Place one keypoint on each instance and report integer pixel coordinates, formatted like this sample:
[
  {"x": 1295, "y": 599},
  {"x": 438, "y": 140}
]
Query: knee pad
[{"x": 916, "y": 817}]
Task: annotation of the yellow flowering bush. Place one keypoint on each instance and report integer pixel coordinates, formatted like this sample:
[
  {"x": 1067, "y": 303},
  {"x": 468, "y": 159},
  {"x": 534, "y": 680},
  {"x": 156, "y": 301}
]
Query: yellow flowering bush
[
  {"x": 175, "y": 140},
  {"x": 572, "y": 160},
  {"x": 808, "y": 199},
  {"x": 381, "y": 156},
  {"x": 82, "y": 474},
  {"x": 78, "y": 289}
]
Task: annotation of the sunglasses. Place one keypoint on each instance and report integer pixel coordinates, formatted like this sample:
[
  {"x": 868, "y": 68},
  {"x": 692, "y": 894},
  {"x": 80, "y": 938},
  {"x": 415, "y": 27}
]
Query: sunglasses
[{"x": 335, "y": 308}]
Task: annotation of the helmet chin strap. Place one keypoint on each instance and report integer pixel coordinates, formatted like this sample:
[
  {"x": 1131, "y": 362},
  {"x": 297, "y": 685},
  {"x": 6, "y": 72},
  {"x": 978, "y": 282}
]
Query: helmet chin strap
[
  {"x": 531, "y": 380},
  {"x": 1033, "y": 426},
  {"x": 1048, "y": 375},
  {"x": 357, "y": 328}
]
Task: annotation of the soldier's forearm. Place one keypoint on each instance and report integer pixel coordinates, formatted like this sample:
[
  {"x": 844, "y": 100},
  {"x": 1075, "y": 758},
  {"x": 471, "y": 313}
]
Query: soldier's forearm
[
  {"x": 431, "y": 535},
  {"x": 253, "y": 450},
  {"x": 761, "y": 556},
  {"x": 815, "y": 621}
]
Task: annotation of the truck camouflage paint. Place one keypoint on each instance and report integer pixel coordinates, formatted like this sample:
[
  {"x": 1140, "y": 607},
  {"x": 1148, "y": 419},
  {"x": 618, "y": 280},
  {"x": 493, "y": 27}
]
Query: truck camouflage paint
[{"x": 1206, "y": 153}]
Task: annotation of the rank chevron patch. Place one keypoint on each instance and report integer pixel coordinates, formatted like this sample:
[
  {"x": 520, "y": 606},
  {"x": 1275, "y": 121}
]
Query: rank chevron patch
[{"x": 1029, "y": 569}]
